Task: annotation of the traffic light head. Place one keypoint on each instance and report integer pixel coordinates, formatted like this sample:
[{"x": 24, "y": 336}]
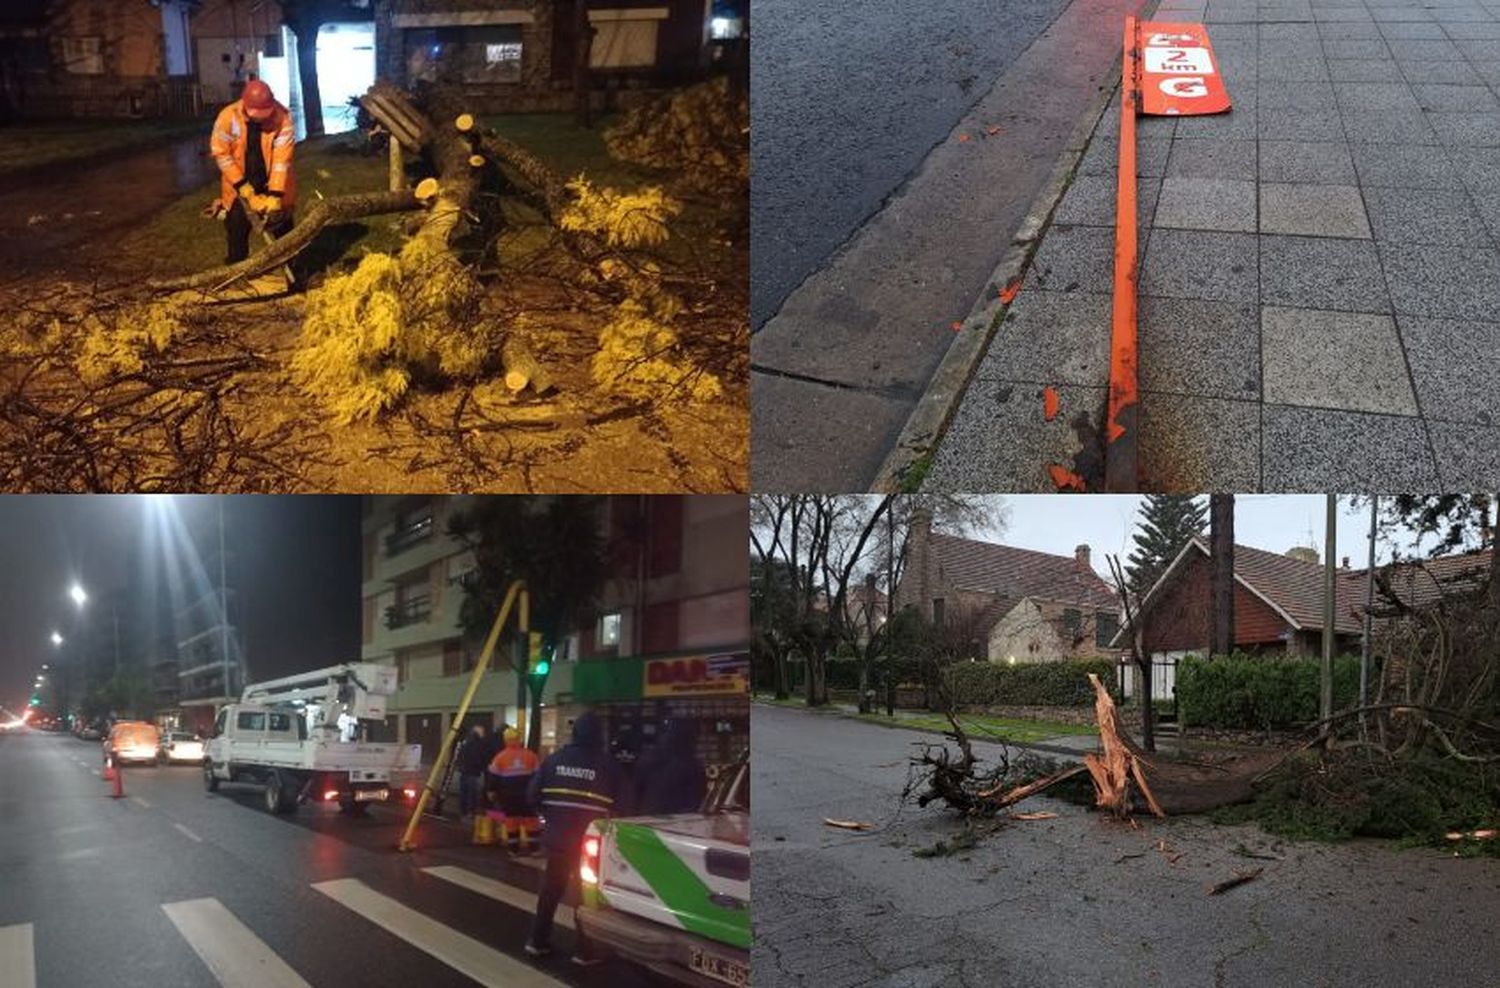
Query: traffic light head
[{"x": 539, "y": 655}]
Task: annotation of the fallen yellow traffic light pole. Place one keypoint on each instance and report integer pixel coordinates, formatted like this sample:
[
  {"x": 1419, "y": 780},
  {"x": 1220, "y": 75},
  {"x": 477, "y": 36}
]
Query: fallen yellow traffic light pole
[{"x": 516, "y": 592}]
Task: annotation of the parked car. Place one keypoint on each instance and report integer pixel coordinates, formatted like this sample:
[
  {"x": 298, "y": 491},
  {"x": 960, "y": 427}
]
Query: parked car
[
  {"x": 180, "y": 746},
  {"x": 133, "y": 741}
]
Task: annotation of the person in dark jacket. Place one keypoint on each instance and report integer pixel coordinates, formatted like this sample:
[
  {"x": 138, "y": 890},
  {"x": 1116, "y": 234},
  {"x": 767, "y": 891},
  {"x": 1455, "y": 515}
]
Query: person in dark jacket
[
  {"x": 575, "y": 786},
  {"x": 473, "y": 759},
  {"x": 669, "y": 778}
]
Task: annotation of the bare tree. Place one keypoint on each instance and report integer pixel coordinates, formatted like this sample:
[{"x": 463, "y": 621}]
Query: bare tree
[{"x": 1140, "y": 656}]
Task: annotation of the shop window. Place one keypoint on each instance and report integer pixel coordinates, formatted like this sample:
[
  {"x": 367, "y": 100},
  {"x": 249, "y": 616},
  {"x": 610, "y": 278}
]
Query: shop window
[
  {"x": 623, "y": 43},
  {"x": 609, "y": 630},
  {"x": 453, "y": 658}
]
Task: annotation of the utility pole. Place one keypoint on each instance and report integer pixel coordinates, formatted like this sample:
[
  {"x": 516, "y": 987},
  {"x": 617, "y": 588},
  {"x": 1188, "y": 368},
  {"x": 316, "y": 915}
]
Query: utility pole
[
  {"x": 1330, "y": 568},
  {"x": 223, "y": 607},
  {"x": 1221, "y": 573},
  {"x": 1366, "y": 644}
]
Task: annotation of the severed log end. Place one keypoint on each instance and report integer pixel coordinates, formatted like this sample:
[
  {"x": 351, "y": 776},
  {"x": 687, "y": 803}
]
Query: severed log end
[
  {"x": 426, "y": 189},
  {"x": 464, "y": 122},
  {"x": 476, "y": 160},
  {"x": 522, "y": 369}
]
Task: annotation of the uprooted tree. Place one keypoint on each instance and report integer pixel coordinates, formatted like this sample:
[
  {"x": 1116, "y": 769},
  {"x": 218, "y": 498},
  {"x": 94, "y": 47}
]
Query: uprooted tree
[{"x": 130, "y": 386}]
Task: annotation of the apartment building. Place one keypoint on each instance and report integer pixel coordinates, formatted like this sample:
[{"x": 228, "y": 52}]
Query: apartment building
[{"x": 667, "y": 635}]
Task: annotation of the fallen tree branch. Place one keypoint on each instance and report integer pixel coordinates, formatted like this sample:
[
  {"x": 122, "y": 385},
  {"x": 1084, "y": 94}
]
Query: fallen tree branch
[
  {"x": 326, "y": 212},
  {"x": 1240, "y": 878}
]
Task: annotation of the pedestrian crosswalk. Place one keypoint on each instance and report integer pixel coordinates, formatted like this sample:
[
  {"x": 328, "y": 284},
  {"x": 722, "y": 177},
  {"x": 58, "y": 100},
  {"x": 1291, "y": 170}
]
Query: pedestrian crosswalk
[
  {"x": 484, "y": 964},
  {"x": 237, "y": 957}
]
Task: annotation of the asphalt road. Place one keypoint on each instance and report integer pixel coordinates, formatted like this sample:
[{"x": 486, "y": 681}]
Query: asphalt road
[
  {"x": 73, "y": 212},
  {"x": 897, "y": 152},
  {"x": 846, "y": 100},
  {"x": 1078, "y": 900},
  {"x": 154, "y": 889}
]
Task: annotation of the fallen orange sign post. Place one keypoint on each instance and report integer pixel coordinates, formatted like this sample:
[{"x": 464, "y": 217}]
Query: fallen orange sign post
[{"x": 1168, "y": 70}]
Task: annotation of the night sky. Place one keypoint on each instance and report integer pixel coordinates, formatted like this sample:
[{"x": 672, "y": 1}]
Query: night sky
[{"x": 298, "y": 561}]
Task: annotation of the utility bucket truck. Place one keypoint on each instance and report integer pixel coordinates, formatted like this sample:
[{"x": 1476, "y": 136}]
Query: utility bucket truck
[{"x": 301, "y": 738}]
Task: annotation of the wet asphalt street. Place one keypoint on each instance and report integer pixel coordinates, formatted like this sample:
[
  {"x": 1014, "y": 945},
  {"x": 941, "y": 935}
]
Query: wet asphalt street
[
  {"x": 846, "y": 100},
  {"x": 1078, "y": 900},
  {"x": 58, "y": 217},
  {"x": 161, "y": 881}
]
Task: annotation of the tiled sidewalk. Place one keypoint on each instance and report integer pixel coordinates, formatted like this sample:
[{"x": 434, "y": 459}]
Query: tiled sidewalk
[{"x": 1320, "y": 291}]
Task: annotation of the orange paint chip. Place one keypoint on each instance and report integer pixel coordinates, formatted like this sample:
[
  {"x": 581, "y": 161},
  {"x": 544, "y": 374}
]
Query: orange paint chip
[
  {"x": 963, "y": 137},
  {"x": 1050, "y": 401},
  {"x": 993, "y": 131},
  {"x": 956, "y": 326},
  {"x": 1066, "y": 480},
  {"x": 1009, "y": 292}
]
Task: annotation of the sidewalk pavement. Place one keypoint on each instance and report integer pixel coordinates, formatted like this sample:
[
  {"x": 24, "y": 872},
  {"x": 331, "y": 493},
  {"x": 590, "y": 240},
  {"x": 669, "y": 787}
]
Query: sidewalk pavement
[{"x": 1320, "y": 289}]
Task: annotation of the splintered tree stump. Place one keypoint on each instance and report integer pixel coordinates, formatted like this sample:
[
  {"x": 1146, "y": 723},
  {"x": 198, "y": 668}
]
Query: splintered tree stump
[{"x": 1113, "y": 770}]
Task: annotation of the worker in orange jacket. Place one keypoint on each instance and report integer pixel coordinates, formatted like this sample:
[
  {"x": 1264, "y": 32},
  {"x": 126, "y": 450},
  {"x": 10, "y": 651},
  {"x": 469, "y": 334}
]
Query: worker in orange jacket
[
  {"x": 252, "y": 144},
  {"x": 511, "y": 770}
]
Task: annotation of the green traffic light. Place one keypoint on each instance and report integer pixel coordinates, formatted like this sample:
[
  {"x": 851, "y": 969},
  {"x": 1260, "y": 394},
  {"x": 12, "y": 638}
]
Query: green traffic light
[{"x": 542, "y": 668}]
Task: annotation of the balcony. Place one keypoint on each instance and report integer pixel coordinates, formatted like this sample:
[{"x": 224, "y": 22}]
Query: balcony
[
  {"x": 413, "y": 610},
  {"x": 408, "y": 534}
]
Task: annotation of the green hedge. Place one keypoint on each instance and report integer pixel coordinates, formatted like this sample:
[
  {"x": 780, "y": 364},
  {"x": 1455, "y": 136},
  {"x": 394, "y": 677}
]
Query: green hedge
[
  {"x": 1262, "y": 693},
  {"x": 843, "y": 674},
  {"x": 1040, "y": 684}
]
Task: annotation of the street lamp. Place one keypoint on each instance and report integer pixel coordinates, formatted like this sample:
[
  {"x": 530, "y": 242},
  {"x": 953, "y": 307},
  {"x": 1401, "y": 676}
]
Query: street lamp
[
  {"x": 57, "y": 639},
  {"x": 79, "y": 597}
]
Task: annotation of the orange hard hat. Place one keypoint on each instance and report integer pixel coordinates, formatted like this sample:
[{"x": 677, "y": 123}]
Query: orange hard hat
[{"x": 258, "y": 99}]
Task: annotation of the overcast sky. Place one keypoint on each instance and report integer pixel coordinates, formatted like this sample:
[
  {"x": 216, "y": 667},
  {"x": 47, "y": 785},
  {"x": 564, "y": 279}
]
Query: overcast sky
[{"x": 1057, "y": 523}]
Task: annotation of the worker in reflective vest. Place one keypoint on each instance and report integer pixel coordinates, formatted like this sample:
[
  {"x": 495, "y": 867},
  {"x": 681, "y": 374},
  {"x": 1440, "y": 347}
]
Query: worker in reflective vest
[
  {"x": 575, "y": 786},
  {"x": 510, "y": 773},
  {"x": 252, "y": 144}
]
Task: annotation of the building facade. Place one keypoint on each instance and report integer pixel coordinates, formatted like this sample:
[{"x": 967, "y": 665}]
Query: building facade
[
  {"x": 667, "y": 636},
  {"x": 1007, "y": 604}
]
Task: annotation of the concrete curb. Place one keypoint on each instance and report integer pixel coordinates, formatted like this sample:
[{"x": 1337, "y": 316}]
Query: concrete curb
[
  {"x": 898, "y": 726},
  {"x": 935, "y": 409}
]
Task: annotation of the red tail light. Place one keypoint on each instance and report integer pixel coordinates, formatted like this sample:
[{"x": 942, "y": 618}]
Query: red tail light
[
  {"x": 409, "y": 793},
  {"x": 588, "y": 867},
  {"x": 330, "y": 794}
]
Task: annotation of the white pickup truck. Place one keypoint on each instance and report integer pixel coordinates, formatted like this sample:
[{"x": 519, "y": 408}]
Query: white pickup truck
[{"x": 298, "y": 738}]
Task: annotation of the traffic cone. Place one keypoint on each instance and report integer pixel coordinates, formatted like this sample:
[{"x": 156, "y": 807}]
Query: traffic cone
[
  {"x": 484, "y": 829},
  {"x": 118, "y": 775},
  {"x": 109, "y": 771}
]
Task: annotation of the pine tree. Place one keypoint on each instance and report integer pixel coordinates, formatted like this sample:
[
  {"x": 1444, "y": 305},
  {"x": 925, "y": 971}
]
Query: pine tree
[{"x": 1168, "y": 521}]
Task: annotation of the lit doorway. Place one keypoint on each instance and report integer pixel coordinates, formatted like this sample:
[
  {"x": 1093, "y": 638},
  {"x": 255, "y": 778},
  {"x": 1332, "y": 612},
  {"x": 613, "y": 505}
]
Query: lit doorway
[{"x": 346, "y": 68}]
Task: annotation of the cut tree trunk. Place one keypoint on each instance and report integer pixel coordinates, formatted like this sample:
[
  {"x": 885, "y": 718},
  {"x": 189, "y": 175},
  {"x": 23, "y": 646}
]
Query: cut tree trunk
[{"x": 340, "y": 209}]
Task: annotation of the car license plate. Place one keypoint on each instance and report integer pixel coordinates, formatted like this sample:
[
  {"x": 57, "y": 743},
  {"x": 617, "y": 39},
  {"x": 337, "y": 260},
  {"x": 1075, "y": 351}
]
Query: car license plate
[
  {"x": 720, "y": 968},
  {"x": 365, "y": 795}
]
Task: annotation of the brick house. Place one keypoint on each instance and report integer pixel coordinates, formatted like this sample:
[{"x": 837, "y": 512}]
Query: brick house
[
  {"x": 90, "y": 58},
  {"x": 1014, "y": 605},
  {"x": 1278, "y": 603},
  {"x": 518, "y": 54}
]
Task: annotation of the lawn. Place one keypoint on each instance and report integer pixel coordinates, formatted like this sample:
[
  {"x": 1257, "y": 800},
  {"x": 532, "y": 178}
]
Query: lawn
[
  {"x": 980, "y": 726},
  {"x": 33, "y": 145}
]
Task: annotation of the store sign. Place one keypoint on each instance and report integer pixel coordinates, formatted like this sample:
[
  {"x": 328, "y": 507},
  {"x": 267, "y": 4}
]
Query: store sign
[
  {"x": 701, "y": 675},
  {"x": 1179, "y": 75}
]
